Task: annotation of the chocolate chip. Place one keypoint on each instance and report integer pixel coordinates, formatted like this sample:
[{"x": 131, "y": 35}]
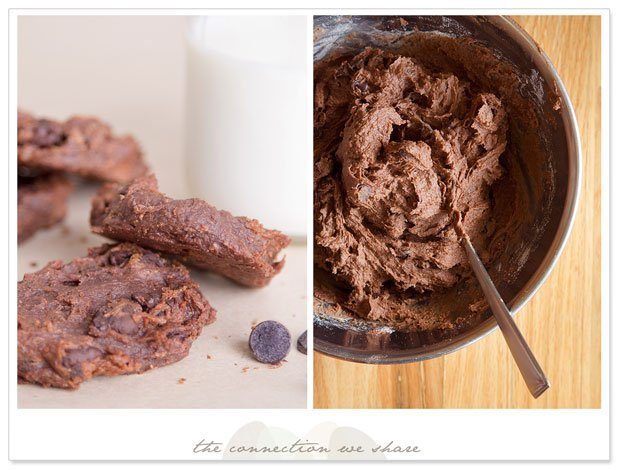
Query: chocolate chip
[
  {"x": 153, "y": 258},
  {"x": 117, "y": 317},
  {"x": 122, "y": 191},
  {"x": 74, "y": 357},
  {"x": 119, "y": 258},
  {"x": 71, "y": 282},
  {"x": 269, "y": 342},
  {"x": 419, "y": 99},
  {"x": 177, "y": 335},
  {"x": 423, "y": 302},
  {"x": 397, "y": 133},
  {"x": 302, "y": 343},
  {"x": 360, "y": 86},
  {"x": 124, "y": 325},
  {"x": 48, "y": 134},
  {"x": 146, "y": 302}
]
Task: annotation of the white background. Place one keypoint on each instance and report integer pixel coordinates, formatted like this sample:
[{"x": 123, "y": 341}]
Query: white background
[
  {"x": 441, "y": 434},
  {"x": 128, "y": 71}
]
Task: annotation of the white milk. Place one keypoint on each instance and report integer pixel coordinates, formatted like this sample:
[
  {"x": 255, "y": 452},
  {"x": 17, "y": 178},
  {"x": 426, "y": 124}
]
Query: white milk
[{"x": 246, "y": 121}]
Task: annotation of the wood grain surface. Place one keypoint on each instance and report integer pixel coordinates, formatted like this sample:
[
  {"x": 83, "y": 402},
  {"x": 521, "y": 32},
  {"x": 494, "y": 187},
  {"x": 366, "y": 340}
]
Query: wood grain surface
[{"x": 562, "y": 321}]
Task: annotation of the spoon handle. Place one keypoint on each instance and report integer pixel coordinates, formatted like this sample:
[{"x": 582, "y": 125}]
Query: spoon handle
[{"x": 529, "y": 367}]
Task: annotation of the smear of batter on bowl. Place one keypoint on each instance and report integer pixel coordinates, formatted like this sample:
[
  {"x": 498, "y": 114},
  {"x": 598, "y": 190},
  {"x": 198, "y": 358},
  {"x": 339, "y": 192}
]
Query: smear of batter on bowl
[{"x": 404, "y": 153}]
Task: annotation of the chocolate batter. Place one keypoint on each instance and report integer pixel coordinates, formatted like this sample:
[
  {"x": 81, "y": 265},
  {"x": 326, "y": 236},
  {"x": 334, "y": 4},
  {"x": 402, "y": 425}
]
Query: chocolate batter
[{"x": 408, "y": 155}]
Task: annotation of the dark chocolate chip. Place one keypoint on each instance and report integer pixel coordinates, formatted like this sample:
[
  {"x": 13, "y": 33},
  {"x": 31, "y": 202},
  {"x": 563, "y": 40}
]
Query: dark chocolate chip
[
  {"x": 177, "y": 335},
  {"x": 360, "y": 86},
  {"x": 77, "y": 356},
  {"x": 28, "y": 175},
  {"x": 269, "y": 342},
  {"x": 146, "y": 302},
  {"x": 122, "y": 191},
  {"x": 48, "y": 134},
  {"x": 302, "y": 343},
  {"x": 419, "y": 99},
  {"x": 153, "y": 258},
  {"x": 118, "y": 317},
  {"x": 124, "y": 325},
  {"x": 119, "y": 258}
]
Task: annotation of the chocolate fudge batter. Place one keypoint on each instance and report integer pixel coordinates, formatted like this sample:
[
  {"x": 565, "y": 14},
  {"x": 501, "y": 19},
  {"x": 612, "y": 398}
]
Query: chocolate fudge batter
[{"x": 409, "y": 155}]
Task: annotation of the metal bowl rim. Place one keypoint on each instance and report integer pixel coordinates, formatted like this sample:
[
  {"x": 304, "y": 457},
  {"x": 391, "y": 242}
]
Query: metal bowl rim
[{"x": 547, "y": 264}]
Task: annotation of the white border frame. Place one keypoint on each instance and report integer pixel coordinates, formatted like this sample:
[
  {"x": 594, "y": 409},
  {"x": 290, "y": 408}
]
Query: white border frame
[{"x": 565, "y": 434}]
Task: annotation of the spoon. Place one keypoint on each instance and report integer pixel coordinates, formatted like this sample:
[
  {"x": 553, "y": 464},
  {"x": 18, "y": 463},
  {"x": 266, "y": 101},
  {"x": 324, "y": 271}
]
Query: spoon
[{"x": 529, "y": 367}]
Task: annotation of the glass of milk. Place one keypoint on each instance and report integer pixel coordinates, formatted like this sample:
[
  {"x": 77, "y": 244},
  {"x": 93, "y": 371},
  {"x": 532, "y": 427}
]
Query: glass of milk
[{"x": 246, "y": 117}]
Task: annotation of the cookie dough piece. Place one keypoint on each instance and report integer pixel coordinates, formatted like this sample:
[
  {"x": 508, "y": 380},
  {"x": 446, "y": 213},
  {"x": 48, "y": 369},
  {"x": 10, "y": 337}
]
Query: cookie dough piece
[
  {"x": 41, "y": 203},
  {"x": 120, "y": 310},
  {"x": 191, "y": 229},
  {"x": 82, "y": 146}
]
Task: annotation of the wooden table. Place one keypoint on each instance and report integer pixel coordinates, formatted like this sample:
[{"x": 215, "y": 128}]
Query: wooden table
[{"x": 562, "y": 321}]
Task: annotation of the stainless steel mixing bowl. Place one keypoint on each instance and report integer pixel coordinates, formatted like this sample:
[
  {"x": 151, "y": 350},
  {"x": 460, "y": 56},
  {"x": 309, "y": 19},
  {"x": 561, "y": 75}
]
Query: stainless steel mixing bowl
[{"x": 364, "y": 341}]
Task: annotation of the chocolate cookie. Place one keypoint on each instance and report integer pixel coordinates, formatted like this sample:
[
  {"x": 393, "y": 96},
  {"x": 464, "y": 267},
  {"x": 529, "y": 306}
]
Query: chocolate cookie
[
  {"x": 41, "y": 203},
  {"x": 82, "y": 146},
  {"x": 194, "y": 231},
  {"x": 119, "y": 310}
]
